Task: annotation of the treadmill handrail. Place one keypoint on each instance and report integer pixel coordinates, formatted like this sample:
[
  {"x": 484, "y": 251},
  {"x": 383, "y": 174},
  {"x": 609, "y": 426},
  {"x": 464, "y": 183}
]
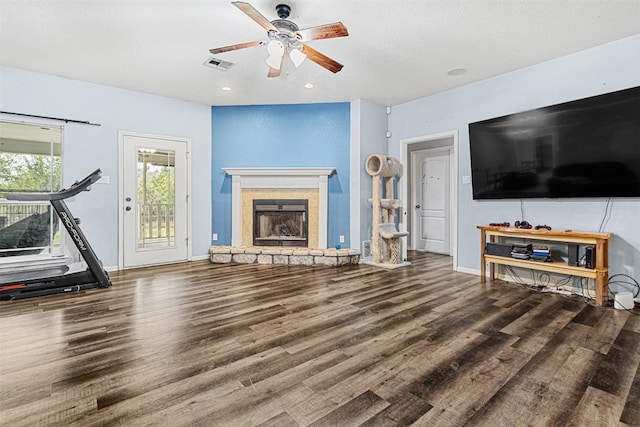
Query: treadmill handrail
[{"x": 64, "y": 193}]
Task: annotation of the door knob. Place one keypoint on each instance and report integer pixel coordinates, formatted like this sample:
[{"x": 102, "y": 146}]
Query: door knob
[
  {"x": 417, "y": 206},
  {"x": 128, "y": 208}
]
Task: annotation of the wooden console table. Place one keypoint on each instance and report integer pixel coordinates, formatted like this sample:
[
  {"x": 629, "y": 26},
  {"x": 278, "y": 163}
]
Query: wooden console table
[{"x": 599, "y": 240}]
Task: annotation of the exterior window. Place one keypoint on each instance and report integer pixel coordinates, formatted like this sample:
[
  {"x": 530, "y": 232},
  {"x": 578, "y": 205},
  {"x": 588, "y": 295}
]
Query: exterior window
[{"x": 30, "y": 161}]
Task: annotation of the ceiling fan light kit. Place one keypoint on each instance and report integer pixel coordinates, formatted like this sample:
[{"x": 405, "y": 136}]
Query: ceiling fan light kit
[
  {"x": 275, "y": 49},
  {"x": 285, "y": 37},
  {"x": 297, "y": 57}
]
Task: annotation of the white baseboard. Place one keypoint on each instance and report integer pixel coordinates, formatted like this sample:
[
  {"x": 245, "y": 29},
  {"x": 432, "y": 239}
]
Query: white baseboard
[
  {"x": 467, "y": 270},
  {"x": 193, "y": 258}
]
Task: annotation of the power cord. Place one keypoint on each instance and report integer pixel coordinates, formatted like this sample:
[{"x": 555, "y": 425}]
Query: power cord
[
  {"x": 634, "y": 283},
  {"x": 564, "y": 282},
  {"x": 539, "y": 283},
  {"x": 514, "y": 276},
  {"x": 607, "y": 213},
  {"x": 545, "y": 283},
  {"x": 582, "y": 279}
]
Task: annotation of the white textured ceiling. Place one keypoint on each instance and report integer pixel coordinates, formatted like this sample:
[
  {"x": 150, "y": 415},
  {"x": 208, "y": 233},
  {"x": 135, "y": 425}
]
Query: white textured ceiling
[{"x": 397, "y": 50}]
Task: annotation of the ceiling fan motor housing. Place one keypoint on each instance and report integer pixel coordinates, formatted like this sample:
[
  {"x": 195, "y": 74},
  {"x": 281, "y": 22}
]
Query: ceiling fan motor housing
[
  {"x": 283, "y": 11},
  {"x": 285, "y": 26}
]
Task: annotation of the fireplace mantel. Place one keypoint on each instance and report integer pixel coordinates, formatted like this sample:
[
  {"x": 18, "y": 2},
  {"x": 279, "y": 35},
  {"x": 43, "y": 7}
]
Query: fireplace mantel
[
  {"x": 279, "y": 178},
  {"x": 318, "y": 172}
]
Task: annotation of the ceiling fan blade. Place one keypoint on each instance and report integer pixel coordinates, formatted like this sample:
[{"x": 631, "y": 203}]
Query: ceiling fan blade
[
  {"x": 328, "y": 31},
  {"x": 321, "y": 59},
  {"x": 255, "y": 15},
  {"x": 235, "y": 47}
]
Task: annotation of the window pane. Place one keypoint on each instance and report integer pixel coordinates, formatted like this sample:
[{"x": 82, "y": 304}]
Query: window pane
[
  {"x": 30, "y": 161},
  {"x": 156, "y": 198}
]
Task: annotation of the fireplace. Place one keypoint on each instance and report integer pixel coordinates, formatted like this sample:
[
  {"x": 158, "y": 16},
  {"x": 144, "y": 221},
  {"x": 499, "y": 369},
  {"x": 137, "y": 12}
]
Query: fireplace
[
  {"x": 280, "y": 222},
  {"x": 248, "y": 184}
]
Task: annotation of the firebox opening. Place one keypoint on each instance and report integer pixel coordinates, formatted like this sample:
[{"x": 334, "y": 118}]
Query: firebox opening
[{"x": 280, "y": 222}]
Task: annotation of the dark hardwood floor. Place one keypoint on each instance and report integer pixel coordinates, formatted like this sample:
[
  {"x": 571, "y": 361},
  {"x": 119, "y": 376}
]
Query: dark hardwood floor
[{"x": 236, "y": 345}]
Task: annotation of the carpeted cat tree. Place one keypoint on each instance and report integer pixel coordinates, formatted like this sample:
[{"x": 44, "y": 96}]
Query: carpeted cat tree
[{"x": 385, "y": 237}]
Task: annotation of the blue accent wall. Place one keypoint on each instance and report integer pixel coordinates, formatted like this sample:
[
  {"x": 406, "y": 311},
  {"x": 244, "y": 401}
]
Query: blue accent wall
[{"x": 298, "y": 135}]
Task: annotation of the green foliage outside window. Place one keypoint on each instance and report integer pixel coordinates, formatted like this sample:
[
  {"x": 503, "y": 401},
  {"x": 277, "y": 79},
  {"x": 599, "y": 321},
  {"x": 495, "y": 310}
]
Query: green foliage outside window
[
  {"x": 30, "y": 162},
  {"x": 159, "y": 186},
  {"x": 29, "y": 173}
]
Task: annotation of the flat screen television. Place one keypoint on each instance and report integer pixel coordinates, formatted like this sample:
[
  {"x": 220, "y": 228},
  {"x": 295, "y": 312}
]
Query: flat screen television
[{"x": 584, "y": 148}]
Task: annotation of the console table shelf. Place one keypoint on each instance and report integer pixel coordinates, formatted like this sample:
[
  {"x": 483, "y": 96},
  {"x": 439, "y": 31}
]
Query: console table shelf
[{"x": 599, "y": 240}]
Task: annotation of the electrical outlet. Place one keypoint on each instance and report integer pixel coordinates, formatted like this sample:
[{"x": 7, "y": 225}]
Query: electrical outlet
[
  {"x": 341, "y": 239},
  {"x": 214, "y": 237}
]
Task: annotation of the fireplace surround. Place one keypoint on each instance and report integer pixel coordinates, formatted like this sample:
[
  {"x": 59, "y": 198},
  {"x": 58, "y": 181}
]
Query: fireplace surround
[{"x": 249, "y": 184}]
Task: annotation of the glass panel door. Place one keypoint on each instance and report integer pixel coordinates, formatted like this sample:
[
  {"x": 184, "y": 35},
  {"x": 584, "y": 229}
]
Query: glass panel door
[{"x": 154, "y": 202}]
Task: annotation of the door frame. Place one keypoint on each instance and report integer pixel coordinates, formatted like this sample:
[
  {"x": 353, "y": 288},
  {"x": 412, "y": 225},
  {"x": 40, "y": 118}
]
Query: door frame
[
  {"x": 121, "y": 136},
  {"x": 453, "y": 170},
  {"x": 430, "y": 152}
]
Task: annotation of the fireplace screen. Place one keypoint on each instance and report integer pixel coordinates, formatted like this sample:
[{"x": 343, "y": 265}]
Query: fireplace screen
[{"x": 280, "y": 223}]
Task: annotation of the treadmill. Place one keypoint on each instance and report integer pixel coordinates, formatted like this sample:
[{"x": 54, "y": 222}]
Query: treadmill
[{"x": 93, "y": 277}]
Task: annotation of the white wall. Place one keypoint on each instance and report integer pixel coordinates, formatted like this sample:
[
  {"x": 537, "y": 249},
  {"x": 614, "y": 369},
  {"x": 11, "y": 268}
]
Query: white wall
[
  {"x": 87, "y": 148},
  {"x": 368, "y": 136},
  {"x": 606, "y": 68}
]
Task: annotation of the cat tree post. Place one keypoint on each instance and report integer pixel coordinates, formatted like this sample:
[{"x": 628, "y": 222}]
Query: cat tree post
[
  {"x": 375, "y": 201},
  {"x": 385, "y": 238}
]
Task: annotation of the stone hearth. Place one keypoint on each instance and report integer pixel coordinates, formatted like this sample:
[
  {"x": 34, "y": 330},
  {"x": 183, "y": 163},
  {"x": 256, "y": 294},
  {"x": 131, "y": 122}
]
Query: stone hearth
[{"x": 283, "y": 256}]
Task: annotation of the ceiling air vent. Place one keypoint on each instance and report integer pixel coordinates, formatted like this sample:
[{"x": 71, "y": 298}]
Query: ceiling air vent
[{"x": 219, "y": 64}]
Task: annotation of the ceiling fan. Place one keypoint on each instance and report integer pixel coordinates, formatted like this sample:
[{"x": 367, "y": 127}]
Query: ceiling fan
[{"x": 286, "y": 40}]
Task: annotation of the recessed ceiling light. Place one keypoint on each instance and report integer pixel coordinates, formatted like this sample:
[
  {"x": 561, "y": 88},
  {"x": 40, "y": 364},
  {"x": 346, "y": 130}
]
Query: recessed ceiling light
[
  {"x": 457, "y": 71},
  {"x": 226, "y": 88},
  {"x": 309, "y": 85}
]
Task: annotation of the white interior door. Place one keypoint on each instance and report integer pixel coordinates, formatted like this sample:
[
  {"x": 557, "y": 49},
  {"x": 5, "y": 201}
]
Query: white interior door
[
  {"x": 432, "y": 200},
  {"x": 153, "y": 200}
]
